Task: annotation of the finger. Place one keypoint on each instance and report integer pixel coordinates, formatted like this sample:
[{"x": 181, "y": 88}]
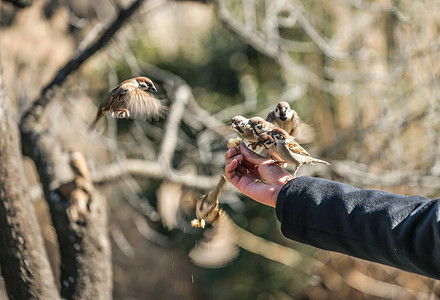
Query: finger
[
  {"x": 238, "y": 157},
  {"x": 230, "y": 153},
  {"x": 247, "y": 164},
  {"x": 255, "y": 172},
  {"x": 242, "y": 169},
  {"x": 230, "y": 168},
  {"x": 251, "y": 156},
  {"x": 231, "y": 173}
]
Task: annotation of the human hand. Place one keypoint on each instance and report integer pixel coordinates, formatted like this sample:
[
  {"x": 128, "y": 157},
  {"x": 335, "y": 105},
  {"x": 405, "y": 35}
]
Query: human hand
[{"x": 254, "y": 175}]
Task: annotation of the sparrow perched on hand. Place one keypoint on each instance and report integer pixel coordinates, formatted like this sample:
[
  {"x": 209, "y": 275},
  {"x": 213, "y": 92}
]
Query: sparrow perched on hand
[
  {"x": 267, "y": 141},
  {"x": 241, "y": 125},
  {"x": 290, "y": 151},
  {"x": 260, "y": 125},
  {"x": 131, "y": 99},
  {"x": 286, "y": 118}
]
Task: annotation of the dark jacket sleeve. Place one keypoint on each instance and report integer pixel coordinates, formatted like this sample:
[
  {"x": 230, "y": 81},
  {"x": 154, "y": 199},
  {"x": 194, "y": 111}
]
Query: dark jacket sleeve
[{"x": 400, "y": 231}]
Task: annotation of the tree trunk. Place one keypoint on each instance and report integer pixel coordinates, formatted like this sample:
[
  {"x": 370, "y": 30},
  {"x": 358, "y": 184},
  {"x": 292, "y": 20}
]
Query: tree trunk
[
  {"x": 86, "y": 270},
  {"x": 23, "y": 258}
]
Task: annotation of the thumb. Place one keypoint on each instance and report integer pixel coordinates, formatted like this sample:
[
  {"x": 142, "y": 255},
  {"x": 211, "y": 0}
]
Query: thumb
[{"x": 251, "y": 156}]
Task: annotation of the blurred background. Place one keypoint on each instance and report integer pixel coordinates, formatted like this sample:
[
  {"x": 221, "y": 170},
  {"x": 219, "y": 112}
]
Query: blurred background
[{"x": 364, "y": 74}]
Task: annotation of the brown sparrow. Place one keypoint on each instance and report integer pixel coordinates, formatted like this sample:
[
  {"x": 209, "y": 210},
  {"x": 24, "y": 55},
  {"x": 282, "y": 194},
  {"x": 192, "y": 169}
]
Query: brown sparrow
[
  {"x": 286, "y": 118},
  {"x": 207, "y": 209},
  {"x": 241, "y": 125},
  {"x": 290, "y": 151},
  {"x": 260, "y": 125},
  {"x": 267, "y": 141},
  {"x": 217, "y": 247},
  {"x": 131, "y": 99}
]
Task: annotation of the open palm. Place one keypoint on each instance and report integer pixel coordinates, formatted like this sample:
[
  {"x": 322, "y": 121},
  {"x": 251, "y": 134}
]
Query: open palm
[{"x": 254, "y": 175}]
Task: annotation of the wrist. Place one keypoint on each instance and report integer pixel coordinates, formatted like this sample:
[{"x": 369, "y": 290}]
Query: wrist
[{"x": 277, "y": 188}]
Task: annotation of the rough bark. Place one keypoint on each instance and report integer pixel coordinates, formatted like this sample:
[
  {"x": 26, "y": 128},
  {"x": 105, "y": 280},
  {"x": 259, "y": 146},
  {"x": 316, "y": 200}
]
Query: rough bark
[
  {"x": 86, "y": 270},
  {"x": 23, "y": 258}
]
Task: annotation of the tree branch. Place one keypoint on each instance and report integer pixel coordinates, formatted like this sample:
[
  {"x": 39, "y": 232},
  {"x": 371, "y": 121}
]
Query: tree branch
[
  {"x": 79, "y": 57},
  {"x": 151, "y": 169}
]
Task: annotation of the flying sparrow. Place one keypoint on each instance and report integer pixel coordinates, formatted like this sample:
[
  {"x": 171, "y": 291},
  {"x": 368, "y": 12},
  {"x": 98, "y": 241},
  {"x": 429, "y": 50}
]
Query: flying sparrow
[
  {"x": 217, "y": 247},
  {"x": 207, "y": 210},
  {"x": 260, "y": 125},
  {"x": 241, "y": 125},
  {"x": 286, "y": 118},
  {"x": 290, "y": 151},
  {"x": 131, "y": 99}
]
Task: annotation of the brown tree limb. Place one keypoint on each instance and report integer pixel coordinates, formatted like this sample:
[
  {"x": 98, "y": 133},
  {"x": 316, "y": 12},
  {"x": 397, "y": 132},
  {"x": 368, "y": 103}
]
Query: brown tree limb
[
  {"x": 21, "y": 3},
  {"x": 23, "y": 259}
]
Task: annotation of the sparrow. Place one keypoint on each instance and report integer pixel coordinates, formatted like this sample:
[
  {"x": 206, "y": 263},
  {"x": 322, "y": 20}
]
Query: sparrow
[
  {"x": 286, "y": 118},
  {"x": 218, "y": 245},
  {"x": 260, "y": 125},
  {"x": 288, "y": 149},
  {"x": 267, "y": 141},
  {"x": 131, "y": 99},
  {"x": 207, "y": 210},
  {"x": 77, "y": 192},
  {"x": 241, "y": 125}
]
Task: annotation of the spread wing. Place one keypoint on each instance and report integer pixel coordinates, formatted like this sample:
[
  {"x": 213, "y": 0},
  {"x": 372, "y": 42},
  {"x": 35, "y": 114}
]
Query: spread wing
[
  {"x": 218, "y": 246},
  {"x": 294, "y": 147},
  {"x": 143, "y": 105},
  {"x": 271, "y": 117},
  {"x": 304, "y": 132},
  {"x": 140, "y": 104}
]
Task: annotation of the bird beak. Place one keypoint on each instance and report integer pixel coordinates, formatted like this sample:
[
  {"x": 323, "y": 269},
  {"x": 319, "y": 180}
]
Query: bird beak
[
  {"x": 153, "y": 88},
  {"x": 247, "y": 126},
  {"x": 233, "y": 125}
]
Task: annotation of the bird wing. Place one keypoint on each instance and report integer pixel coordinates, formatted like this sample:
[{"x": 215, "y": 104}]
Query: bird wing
[
  {"x": 304, "y": 133},
  {"x": 143, "y": 105},
  {"x": 168, "y": 203},
  {"x": 296, "y": 148},
  {"x": 271, "y": 117},
  {"x": 218, "y": 246}
]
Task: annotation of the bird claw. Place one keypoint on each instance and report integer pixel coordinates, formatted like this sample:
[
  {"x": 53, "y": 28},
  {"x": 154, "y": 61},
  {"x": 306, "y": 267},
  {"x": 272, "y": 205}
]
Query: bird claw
[
  {"x": 121, "y": 114},
  {"x": 198, "y": 223},
  {"x": 277, "y": 163}
]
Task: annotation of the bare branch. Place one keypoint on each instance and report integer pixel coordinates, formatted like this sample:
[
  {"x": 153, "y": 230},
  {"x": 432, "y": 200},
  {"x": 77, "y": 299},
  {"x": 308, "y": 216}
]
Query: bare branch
[
  {"x": 78, "y": 58},
  {"x": 151, "y": 169},
  {"x": 21, "y": 3},
  {"x": 267, "y": 249},
  {"x": 365, "y": 176}
]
